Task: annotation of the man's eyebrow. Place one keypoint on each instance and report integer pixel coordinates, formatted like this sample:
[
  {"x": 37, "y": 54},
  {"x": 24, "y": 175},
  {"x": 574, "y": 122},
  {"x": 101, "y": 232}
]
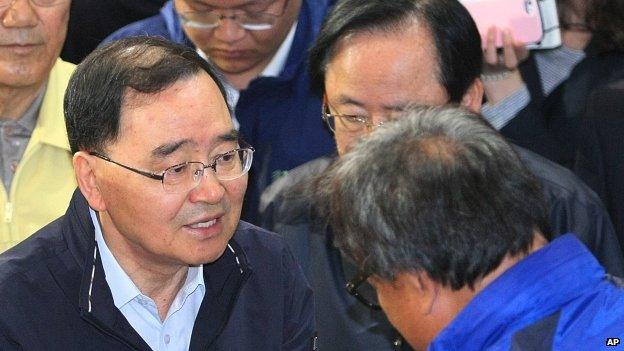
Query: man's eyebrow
[
  {"x": 232, "y": 135},
  {"x": 400, "y": 106},
  {"x": 345, "y": 100},
  {"x": 165, "y": 150}
]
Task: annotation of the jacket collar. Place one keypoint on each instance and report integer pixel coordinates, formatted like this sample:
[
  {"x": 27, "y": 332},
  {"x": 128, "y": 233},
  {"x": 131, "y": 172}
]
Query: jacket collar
[
  {"x": 223, "y": 278},
  {"x": 50, "y": 127},
  {"x": 532, "y": 289}
]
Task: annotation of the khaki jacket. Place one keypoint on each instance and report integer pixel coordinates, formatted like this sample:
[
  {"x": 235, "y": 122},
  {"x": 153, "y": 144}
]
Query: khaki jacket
[{"x": 44, "y": 179}]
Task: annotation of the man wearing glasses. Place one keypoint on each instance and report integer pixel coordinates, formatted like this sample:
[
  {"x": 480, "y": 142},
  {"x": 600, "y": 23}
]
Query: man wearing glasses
[
  {"x": 456, "y": 247},
  {"x": 151, "y": 254},
  {"x": 260, "y": 47},
  {"x": 373, "y": 58},
  {"x": 33, "y": 140}
]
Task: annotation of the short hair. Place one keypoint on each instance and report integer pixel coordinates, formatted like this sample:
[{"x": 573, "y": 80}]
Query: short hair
[
  {"x": 455, "y": 34},
  {"x": 100, "y": 85},
  {"x": 437, "y": 191},
  {"x": 605, "y": 18}
]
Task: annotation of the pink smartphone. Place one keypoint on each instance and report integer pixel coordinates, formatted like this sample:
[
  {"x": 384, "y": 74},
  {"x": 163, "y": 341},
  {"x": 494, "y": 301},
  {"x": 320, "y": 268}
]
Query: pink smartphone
[{"x": 521, "y": 16}]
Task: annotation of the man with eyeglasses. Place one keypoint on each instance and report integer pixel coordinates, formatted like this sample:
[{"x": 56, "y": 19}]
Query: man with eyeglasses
[
  {"x": 33, "y": 140},
  {"x": 260, "y": 48},
  {"x": 456, "y": 245},
  {"x": 373, "y": 58},
  {"x": 151, "y": 254}
]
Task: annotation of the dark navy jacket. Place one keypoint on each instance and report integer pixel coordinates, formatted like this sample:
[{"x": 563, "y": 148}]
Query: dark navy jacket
[
  {"x": 279, "y": 116},
  {"x": 54, "y": 295},
  {"x": 342, "y": 322}
]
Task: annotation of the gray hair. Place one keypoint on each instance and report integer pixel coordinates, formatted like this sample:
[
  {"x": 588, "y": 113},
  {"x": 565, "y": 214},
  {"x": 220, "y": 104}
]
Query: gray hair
[{"x": 438, "y": 191}]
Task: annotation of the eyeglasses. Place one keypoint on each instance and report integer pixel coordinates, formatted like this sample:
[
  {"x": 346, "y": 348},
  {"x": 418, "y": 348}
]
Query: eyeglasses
[
  {"x": 186, "y": 176},
  {"x": 347, "y": 123},
  {"x": 355, "y": 289},
  {"x": 40, "y": 3},
  {"x": 257, "y": 19}
]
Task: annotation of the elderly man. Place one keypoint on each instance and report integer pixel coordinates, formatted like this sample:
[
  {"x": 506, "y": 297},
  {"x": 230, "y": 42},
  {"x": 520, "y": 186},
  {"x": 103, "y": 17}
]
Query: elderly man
[
  {"x": 35, "y": 161},
  {"x": 151, "y": 254},
  {"x": 455, "y": 243},
  {"x": 260, "y": 48},
  {"x": 372, "y": 58}
]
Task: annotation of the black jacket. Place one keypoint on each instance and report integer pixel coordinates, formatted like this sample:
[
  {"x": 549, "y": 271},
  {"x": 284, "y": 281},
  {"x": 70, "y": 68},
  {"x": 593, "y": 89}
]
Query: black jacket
[
  {"x": 600, "y": 160},
  {"x": 551, "y": 125},
  {"x": 54, "y": 296},
  {"x": 342, "y": 322}
]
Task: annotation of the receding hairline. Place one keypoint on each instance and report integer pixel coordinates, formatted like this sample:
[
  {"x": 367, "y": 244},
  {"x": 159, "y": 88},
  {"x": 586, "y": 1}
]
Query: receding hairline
[
  {"x": 410, "y": 23},
  {"x": 133, "y": 98}
]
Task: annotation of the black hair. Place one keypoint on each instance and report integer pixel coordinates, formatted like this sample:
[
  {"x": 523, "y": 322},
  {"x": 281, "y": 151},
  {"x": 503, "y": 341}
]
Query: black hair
[
  {"x": 454, "y": 32},
  {"x": 98, "y": 88},
  {"x": 437, "y": 191}
]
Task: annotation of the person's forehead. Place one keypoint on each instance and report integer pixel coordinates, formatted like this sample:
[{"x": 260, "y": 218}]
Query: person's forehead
[
  {"x": 385, "y": 61},
  {"x": 192, "y": 109},
  {"x": 411, "y": 40}
]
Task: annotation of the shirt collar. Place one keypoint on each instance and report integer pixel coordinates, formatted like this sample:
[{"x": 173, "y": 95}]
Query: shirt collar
[
  {"x": 28, "y": 120},
  {"x": 122, "y": 287},
  {"x": 278, "y": 62}
]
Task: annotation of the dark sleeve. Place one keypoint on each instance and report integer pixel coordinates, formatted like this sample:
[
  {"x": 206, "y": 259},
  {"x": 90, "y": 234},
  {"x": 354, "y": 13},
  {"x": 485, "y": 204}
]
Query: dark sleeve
[
  {"x": 299, "y": 323},
  {"x": 7, "y": 344},
  {"x": 10, "y": 320},
  {"x": 600, "y": 158},
  {"x": 585, "y": 216},
  {"x": 530, "y": 127}
]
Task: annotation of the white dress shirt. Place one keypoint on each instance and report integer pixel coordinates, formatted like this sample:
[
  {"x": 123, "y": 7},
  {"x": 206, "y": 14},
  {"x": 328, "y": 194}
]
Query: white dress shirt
[
  {"x": 174, "y": 332},
  {"x": 273, "y": 69}
]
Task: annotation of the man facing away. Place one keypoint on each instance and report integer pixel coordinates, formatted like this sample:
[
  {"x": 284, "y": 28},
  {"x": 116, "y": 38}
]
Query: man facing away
[
  {"x": 151, "y": 254},
  {"x": 371, "y": 59},
  {"x": 260, "y": 47},
  {"x": 455, "y": 245},
  {"x": 35, "y": 161}
]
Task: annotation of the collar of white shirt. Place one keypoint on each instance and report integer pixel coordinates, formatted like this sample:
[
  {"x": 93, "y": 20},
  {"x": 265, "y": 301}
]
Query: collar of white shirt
[
  {"x": 273, "y": 69},
  {"x": 122, "y": 287}
]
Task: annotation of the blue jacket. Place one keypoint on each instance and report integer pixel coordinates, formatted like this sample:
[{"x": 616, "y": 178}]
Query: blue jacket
[
  {"x": 280, "y": 117},
  {"x": 54, "y": 296},
  {"x": 558, "y": 298}
]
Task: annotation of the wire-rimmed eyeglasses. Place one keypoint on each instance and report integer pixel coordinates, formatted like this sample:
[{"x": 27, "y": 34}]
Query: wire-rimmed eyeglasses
[
  {"x": 346, "y": 123},
  {"x": 186, "y": 176},
  {"x": 262, "y": 16},
  {"x": 354, "y": 284}
]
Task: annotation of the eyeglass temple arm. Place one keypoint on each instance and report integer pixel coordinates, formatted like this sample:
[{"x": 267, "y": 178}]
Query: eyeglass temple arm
[{"x": 147, "y": 174}]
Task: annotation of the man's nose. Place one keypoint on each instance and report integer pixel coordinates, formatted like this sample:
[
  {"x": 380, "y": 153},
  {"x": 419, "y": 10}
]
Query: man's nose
[
  {"x": 19, "y": 13},
  {"x": 209, "y": 189},
  {"x": 229, "y": 30}
]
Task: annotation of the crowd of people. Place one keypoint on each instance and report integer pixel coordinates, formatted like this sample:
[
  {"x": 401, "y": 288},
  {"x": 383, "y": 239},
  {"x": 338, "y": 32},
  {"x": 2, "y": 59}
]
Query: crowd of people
[{"x": 308, "y": 175}]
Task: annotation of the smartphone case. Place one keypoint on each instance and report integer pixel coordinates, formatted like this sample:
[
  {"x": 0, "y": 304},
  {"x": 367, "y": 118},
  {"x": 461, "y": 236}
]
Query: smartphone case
[{"x": 521, "y": 16}]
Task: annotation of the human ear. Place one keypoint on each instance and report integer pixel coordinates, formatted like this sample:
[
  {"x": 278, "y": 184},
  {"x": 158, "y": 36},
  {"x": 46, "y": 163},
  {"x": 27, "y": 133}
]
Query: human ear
[
  {"x": 473, "y": 97},
  {"x": 84, "y": 167}
]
